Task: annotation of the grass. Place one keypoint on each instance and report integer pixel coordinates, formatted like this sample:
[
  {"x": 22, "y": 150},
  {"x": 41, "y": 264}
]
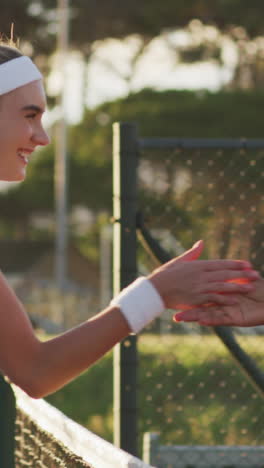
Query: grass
[
  {"x": 190, "y": 390},
  {"x": 194, "y": 393}
]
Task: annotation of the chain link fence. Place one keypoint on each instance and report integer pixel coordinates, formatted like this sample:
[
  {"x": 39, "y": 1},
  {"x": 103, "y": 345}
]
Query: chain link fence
[{"x": 191, "y": 390}]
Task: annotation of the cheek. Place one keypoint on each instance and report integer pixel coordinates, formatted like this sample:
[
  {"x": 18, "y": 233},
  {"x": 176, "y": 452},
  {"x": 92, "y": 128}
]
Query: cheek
[
  {"x": 6, "y": 135},
  {"x": 23, "y": 133},
  {"x": 13, "y": 135},
  {"x": 24, "y": 130}
]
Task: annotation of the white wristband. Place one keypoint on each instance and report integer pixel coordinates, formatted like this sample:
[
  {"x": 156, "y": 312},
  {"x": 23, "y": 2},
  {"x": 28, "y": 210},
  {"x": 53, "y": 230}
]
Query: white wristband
[{"x": 140, "y": 303}]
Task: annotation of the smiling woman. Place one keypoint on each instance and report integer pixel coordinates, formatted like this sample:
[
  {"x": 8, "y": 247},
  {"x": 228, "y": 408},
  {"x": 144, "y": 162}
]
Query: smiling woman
[
  {"x": 22, "y": 102},
  {"x": 39, "y": 367}
]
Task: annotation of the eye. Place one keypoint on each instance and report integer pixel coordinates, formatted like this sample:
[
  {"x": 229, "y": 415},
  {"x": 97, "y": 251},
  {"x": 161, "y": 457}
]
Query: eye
[{"x": 31, "y": 116}]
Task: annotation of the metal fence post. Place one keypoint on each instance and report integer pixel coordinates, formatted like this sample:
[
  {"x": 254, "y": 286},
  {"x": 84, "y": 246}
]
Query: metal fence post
[
  {"x": 124, "y": 272},
  {"x": 7, "y": 424}
]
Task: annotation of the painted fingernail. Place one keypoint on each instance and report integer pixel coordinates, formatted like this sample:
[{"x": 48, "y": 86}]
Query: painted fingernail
[{"x": 177, "y": 318}]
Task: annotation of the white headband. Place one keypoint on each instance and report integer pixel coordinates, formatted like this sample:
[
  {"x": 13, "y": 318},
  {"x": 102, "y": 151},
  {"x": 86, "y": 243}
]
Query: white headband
[{"x": 17, "y": 72}]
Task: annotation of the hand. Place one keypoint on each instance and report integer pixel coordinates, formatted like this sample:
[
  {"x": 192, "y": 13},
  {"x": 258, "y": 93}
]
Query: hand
[
  {"x": 247, "y": 312},
  {"x": 186, "y": 280}
]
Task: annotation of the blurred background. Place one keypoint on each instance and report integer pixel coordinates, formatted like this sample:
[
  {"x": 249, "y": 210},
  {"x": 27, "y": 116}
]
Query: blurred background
[{"x": 185, "y": 69}]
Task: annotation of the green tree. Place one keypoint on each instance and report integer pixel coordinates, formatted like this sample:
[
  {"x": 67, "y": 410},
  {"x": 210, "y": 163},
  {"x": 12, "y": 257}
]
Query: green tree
[
  {"x": 90, "y": 21},
  {"x": 169, "y": 113},
  {"x": 36, "y": 24}
]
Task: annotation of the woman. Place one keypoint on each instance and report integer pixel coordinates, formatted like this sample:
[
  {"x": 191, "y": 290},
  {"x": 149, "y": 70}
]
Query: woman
[{"x": 40, "y": 368}]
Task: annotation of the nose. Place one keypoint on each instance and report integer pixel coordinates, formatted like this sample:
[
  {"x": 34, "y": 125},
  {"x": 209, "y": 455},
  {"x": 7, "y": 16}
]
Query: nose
[{"x": 41, "y": 137}]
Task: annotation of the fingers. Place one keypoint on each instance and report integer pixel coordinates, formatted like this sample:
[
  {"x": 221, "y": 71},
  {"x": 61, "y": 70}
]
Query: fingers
[
  {"x": 209, "y": 316},
  {"x": 193, "y": 253},
  {"x": 242, "y": 266},
  {"x": 212, "y": 265},
  {"x": 191, "y": 315},
  {"x": 228, "y": 288},
  {"x": 214, "y": 298},
  {"x": 240, "y": 276}
]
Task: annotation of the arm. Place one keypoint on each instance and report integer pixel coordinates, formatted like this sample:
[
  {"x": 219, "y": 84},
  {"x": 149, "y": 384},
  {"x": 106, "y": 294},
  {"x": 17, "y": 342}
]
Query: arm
[
  {"x": 40, "y": 368},
  {"x": 248, "y": 311}
]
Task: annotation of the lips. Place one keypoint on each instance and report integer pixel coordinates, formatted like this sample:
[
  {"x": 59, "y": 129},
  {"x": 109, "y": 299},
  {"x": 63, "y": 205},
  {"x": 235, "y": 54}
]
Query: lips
[
  {"x": 23, "y": 154},
  {"x": 23, "y": 158}
]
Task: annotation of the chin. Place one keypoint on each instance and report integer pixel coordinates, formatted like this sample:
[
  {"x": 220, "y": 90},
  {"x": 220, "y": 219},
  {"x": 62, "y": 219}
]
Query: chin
[{"x": 12, "y": 177}]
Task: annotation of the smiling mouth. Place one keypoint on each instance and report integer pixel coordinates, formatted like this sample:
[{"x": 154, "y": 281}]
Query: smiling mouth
[
  {"x": 23, "y": 158},
  {"x": 23, "y": 155}
]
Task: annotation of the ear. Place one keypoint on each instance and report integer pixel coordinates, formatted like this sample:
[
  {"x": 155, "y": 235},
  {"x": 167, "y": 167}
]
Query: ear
[{"x": 193, "y": 253}]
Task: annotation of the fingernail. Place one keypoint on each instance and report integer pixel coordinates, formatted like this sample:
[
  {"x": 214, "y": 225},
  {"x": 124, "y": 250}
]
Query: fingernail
[{"x": 178, "y": 317}]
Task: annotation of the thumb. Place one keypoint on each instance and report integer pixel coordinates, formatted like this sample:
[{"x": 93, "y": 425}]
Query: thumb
[{"x": 193, "y": 253}]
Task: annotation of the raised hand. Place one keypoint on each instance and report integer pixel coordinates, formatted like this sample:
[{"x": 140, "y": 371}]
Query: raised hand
[
  {"x": 186, "y": 281},
  {"x": 248, "y": 311}
]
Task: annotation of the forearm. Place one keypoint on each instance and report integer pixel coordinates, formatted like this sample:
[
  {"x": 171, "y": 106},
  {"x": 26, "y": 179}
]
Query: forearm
[
  {"x": 42, "y": 367},
  {"x": 63, "y": 358}
]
